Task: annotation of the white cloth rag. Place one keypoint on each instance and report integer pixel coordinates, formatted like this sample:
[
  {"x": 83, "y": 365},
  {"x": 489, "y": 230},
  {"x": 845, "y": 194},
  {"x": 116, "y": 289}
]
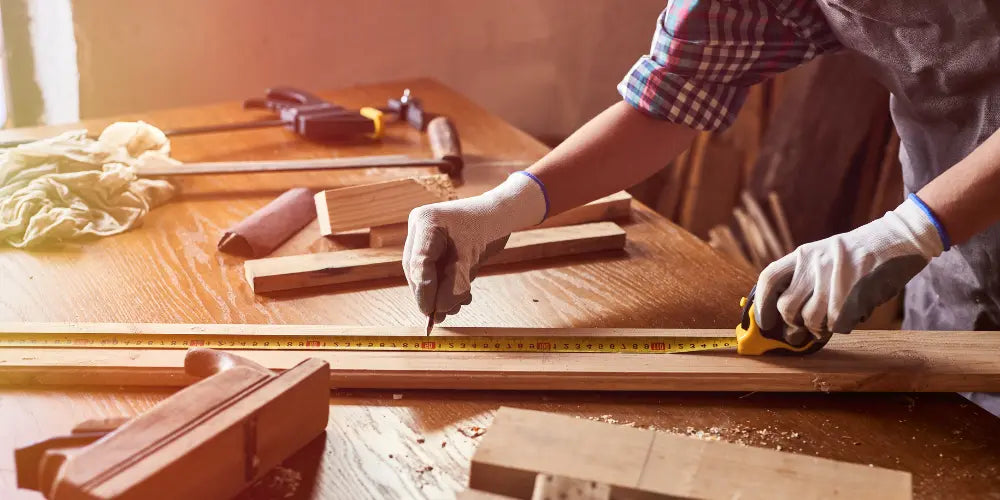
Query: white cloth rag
[{"x": 72, "y": 187}]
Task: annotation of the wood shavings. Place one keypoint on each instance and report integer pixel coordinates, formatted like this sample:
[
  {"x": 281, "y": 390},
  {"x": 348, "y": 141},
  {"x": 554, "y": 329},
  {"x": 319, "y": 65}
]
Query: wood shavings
[
  {"x": 439, "y": 184},
  {"x": 279, "y": 482},
  {"x": 472, "y": 432}
]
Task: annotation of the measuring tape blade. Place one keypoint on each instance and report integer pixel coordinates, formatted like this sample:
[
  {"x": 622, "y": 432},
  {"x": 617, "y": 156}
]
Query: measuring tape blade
[{"x": 635, "y": 345}]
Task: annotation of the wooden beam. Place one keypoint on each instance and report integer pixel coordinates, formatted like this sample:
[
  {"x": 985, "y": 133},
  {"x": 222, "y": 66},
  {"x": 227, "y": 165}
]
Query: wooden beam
[
  {"x": 300, "y": 271},
  {"x": 388, "y": 202},
  {"x": 889, "y": 361},
  {"x": 642, "y": 463},
  {"x": 611, "y": 207}
]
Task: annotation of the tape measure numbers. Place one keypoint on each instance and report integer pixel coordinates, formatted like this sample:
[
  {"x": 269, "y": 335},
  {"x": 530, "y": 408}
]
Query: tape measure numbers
[{"x": 633, "y": 345}]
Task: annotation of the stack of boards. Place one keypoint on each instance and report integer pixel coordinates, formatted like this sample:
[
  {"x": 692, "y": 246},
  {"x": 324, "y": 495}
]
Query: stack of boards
[{"x": 383, "y": 209}]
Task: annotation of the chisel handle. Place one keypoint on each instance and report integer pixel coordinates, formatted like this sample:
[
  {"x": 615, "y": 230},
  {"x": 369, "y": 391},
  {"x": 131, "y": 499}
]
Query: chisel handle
[{"x": 445, "y": 144}]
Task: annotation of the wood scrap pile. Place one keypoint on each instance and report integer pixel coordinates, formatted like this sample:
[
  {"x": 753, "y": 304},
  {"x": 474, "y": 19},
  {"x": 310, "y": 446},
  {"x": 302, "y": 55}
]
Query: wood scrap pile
[
  {"x": 382, "y": 209},
  {"x": 817, "y": 140}
]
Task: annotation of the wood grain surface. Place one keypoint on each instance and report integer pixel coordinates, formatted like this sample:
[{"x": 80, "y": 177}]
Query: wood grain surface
[{"x": 379, "y": 445}]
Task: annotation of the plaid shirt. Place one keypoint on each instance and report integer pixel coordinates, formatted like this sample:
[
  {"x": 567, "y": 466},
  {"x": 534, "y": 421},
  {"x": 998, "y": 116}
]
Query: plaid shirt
[{"x": 707, "y": 53}]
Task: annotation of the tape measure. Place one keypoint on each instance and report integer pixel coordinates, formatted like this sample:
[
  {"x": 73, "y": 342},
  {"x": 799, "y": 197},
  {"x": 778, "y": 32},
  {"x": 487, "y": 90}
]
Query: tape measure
[{"x": 555, "y": 344}]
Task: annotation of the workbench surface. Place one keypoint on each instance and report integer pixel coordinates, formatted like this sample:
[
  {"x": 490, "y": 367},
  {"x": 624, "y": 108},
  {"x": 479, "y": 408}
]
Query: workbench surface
[{"x": 417, "y": 444}]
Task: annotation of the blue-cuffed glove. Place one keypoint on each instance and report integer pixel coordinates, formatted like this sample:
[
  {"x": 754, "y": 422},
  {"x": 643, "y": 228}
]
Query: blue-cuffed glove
[{"x": 831, "y": 285}]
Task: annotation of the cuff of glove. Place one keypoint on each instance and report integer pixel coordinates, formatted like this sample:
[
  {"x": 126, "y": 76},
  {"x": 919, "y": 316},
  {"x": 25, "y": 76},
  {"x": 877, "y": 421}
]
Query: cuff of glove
[
  {"x": 521, "y": 199},
  {"x": 928, "y": 233},
  {"x": 945, "y": 239}
]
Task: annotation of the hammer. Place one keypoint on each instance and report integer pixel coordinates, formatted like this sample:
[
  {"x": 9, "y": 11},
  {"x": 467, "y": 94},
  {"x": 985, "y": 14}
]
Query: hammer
[{"x": 445, "y": 146}]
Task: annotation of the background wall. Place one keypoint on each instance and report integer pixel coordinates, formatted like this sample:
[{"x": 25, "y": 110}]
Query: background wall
[{"x": 545, "y": 65}]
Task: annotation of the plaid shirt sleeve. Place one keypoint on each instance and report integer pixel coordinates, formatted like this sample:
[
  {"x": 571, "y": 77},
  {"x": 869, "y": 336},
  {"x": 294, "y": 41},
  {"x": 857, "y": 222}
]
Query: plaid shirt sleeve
[{"x": 707, "y": 53}]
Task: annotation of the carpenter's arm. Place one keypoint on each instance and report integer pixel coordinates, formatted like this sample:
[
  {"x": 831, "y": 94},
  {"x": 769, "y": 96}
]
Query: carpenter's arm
[
  {"x": 615, "y": 150},
  {"x": 966, "y": 197}
]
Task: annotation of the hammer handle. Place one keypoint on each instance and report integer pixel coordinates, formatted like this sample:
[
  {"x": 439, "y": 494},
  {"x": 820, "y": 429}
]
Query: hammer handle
[{"x": 445, "y": 144}]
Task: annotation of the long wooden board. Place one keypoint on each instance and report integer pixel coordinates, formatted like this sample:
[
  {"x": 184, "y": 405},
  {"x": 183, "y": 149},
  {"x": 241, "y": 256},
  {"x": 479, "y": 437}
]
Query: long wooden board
[
  {"x": 389, "y": 202},
  {"x": 891, "y": 361},
  {"x": 300, "y": 271},
  {"x": 611, "y": 207},
  {"x": 522, "y": 443}
]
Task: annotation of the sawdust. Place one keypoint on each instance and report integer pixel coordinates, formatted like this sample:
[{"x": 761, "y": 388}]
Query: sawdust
[
  {"x": 743, "y": 435},
  {"x": 472, "y": 432},
  {"x": 439, "y": 184},
  {"x": 279, "y": 482},
  {"x": 821, "y": 385},
  {"x": 766, "y": 437}
]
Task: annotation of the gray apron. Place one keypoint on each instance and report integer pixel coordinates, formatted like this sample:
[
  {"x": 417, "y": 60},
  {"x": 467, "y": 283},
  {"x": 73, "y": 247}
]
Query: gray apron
[{"x": 941, "y": 61}]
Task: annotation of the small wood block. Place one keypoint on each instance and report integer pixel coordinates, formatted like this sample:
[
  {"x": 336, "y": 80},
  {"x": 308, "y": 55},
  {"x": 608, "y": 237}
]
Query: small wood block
[
  {"x": 377, "y": 204},
  {"x": 299, "y": 271},
  {"x": 522, "y": 443},
  {"x": 611, "y": 207}
]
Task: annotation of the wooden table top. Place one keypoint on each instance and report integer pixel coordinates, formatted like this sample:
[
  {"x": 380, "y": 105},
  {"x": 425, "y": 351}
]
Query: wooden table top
[{"x": 419, "y": 443}]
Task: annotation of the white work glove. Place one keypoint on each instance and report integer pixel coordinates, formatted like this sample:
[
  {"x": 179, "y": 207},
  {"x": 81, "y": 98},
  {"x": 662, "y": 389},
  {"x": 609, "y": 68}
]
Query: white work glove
[
  {"x": 447, "y": 242},
  {"x": 831, "y": 285}
]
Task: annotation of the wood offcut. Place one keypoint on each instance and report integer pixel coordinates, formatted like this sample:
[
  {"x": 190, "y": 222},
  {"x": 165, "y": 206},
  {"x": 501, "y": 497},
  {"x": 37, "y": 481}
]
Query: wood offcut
[{"x": 377, "y": 204}]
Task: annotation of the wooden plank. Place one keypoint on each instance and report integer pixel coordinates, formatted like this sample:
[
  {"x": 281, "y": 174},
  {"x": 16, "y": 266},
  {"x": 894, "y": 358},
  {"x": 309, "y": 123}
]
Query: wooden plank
[
  {"x": 778, "y": 213},
  {"x": 668, "y": 201},
  {"x": 612, "y": 207},
  {"x": 713, "y": 186},
  {"x": 756, "y": 213},
  {"x": 523, "y": 443},
  {"x": 752, "y": 238},
  {"x": 890, "y": 361},
  {"x": 300, "y": 271},
  {"x": 377, "y": 204}
]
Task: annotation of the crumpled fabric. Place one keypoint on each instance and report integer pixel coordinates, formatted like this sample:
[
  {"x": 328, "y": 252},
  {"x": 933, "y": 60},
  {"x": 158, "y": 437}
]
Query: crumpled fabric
[{"x": 71, "y": 187}]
